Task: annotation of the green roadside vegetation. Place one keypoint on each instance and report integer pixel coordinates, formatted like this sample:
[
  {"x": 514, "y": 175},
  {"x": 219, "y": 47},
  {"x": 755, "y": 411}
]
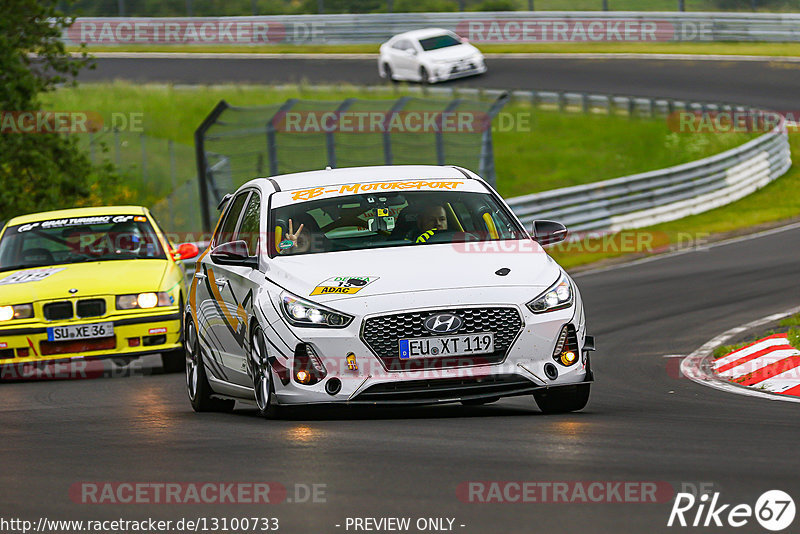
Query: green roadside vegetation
[
  {"x": 696, "y": 48},
  {"x": 535, "y": 150},
  {"x": 789, "y": 326}
]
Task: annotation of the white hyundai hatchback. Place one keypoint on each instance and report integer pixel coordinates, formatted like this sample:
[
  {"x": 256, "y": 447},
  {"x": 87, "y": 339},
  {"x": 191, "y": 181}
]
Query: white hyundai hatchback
[
  {"x": 429, "y": 56},
  {"x": 381, "y": 285}
]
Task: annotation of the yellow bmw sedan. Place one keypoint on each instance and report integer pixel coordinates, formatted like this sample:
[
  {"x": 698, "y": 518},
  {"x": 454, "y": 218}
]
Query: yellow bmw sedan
[{"x": 90, "y": 283}]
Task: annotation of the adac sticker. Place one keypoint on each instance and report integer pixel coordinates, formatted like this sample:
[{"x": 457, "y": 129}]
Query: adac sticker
[
  {"x": 343, "y": 285},
  {"x": 33, "y": 275}
]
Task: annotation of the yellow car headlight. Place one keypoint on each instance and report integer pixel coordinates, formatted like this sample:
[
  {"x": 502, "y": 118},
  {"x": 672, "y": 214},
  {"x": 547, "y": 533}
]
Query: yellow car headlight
[
  {"x": 144, "y": 300},
  {"x": 20, "y": 311}
]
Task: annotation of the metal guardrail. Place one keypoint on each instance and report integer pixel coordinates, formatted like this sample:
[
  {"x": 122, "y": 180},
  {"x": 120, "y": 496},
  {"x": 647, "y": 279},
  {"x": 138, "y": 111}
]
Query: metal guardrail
[
  {"x": 479, "y": 27},
  {"x": 664, "y": 195}
]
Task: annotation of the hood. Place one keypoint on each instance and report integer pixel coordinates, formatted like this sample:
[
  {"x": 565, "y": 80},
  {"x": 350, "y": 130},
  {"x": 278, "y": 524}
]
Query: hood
[
  {"x": 95, "y": 278},
  {"x": 405, "y": 270},
  {"x": 453, "y": 53}
]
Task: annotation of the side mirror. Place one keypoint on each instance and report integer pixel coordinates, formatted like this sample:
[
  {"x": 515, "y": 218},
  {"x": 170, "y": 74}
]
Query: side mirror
[
  {"x": 549, "y": 232},
  {"x": 186, "y": 251},
  {"x": 411, "y": 51},
  {"x": 234, "y": 253}
]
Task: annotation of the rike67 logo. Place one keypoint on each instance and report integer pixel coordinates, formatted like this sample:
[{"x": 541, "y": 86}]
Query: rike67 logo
[{"x": 774, "y": 510}]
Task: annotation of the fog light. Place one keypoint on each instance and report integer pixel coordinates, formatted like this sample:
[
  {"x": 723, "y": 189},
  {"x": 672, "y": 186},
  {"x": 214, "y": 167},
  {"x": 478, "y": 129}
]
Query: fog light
[
  {"x": 568, "y": 358},
  {"x": 308, "y": 368},
  {"x": 22, "y": 353},
  {"x": 304, "y": 377},
  {"x": 133, "y": 341}
]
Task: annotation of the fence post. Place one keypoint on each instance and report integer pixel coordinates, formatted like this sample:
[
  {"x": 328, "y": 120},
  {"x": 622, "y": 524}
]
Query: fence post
[
  {"x": 144, "y": 158},
  {"x": 117, "y": 159},
  {"x": 171, "y": 148},
  {"x": 330, "y": 142},
  {"x": 202, "y": 162},
  {"x": 440, "y": 155},
  {"x": 387, "y": 135},
  {"x": 486, "y": 165},
  {"x": 272, "y": 147}
]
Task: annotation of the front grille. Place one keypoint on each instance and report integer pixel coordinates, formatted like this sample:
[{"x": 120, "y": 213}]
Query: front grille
[
  {"x": 77, "y": 345},
  {"x": 91, "y": 308},
  {"x": 56, "y": 311},
  {"x": 444, "y": 389},
  {"x": 381, "y": 335}
]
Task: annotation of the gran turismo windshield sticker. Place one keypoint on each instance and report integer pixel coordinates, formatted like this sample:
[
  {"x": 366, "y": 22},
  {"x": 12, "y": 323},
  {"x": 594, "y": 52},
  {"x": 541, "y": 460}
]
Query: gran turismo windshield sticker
[
  {"x": 352, "y": 189},
  {"x": 343, "y": 285},
  {"x": 78, "y": 221},
  {"x": 33, "y": 275}
]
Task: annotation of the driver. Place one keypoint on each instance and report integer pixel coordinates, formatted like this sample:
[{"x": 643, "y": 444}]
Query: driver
[{"x": 432, "y": 218}]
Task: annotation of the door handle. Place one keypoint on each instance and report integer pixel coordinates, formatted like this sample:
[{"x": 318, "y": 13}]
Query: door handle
[{"x": 200, "y": 276}]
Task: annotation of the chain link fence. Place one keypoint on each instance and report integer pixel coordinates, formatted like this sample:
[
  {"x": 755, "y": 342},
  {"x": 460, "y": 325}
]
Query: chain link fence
[{"x": 235, "y": 144}]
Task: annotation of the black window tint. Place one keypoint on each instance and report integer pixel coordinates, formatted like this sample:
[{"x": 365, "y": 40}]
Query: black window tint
[
  {"x": 229, "y": 224},
  {"x": 249, "y": 230}
]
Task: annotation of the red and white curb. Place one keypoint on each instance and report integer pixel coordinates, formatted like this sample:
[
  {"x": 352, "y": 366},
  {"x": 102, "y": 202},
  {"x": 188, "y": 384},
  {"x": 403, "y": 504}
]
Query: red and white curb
[
  {"x": 770, "y": 364},
  {"x": 700, "y": 365}
]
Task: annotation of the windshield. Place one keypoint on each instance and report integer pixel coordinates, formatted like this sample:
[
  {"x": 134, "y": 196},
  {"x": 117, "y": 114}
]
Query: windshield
[
  {"x": 440, "y": 41},
  {"x": 374, "y": 220},
  {"x": 80, "y": 239}
]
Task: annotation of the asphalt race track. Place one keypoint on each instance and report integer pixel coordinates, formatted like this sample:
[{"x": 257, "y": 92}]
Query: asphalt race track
[
  {"x": 643, "y": 422},
  {"x": 770, "y": 84}
]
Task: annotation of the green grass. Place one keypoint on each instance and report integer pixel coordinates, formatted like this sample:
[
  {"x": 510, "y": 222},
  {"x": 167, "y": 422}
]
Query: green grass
[
  {"x": 551, "y": 151},
  {"x": 793, "y": 320},
  {"x": 722, "y": 48}
]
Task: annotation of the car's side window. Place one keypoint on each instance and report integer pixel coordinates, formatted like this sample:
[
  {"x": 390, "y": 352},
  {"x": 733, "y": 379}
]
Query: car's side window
[
  {"x": 399, "y": 45},
  {"x": 249, "y": 231},
  {"x": 226, "y": 231}
]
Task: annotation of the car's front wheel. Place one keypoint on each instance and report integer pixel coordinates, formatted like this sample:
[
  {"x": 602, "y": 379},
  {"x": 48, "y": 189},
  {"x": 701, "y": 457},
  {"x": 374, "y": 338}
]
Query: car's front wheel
[
  {"x": 197, "y": 386},
  {"x": 387, "y": 72},
  {"x": 263, "y": 387},
  {"x": 563, "y": 398}
]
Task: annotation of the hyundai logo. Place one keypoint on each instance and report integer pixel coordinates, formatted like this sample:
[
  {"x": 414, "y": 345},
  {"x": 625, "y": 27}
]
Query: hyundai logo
[{"x": 443, "y": 323}]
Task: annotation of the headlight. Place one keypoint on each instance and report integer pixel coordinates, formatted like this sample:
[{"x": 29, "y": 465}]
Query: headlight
[
  {"x": 144, "y": 300},
  {"x": 20, "y": 311},
  {"x": 300, "y": 312},
  {"x": 557, "y": 297}
]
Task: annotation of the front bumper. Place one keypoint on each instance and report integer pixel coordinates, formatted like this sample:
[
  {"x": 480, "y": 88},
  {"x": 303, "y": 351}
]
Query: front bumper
[
  {"x": 521, "y": 371},
  {"x": 447, "y": 72},
  {"x": 152, "y": 332}
]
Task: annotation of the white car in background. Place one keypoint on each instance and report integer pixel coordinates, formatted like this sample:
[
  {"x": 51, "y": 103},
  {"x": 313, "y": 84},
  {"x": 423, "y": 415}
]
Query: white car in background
[
  {"x": 429, "y": 56},
  {"x": 382, "y": 285}
]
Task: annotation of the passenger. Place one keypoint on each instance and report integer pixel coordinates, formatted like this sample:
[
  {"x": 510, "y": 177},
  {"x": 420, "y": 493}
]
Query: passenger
[{"x": 299, "y": 237}]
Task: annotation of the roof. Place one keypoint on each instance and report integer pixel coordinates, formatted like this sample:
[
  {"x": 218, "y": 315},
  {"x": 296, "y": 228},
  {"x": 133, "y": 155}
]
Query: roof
[
  {"x": 421, "y": 34},
  {"x": 348, "y": 175},
  {"x": 77, "y": 212}
]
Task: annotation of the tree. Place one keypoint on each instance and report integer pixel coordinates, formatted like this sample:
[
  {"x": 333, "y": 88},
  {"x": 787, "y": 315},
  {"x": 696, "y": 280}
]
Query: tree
[{"x": 40, "y": 171}]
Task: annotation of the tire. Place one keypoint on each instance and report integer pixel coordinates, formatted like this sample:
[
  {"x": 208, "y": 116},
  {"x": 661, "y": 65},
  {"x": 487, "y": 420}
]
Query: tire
[
  {"x": 174, "y": 361},
  {"x": 563, "y": 399},
  {"x": 263, "y": 385},
  {"x": 197, "y": 386},
  {"x": 424, "y": 78},
  {"x": 387, "y": 72}
]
